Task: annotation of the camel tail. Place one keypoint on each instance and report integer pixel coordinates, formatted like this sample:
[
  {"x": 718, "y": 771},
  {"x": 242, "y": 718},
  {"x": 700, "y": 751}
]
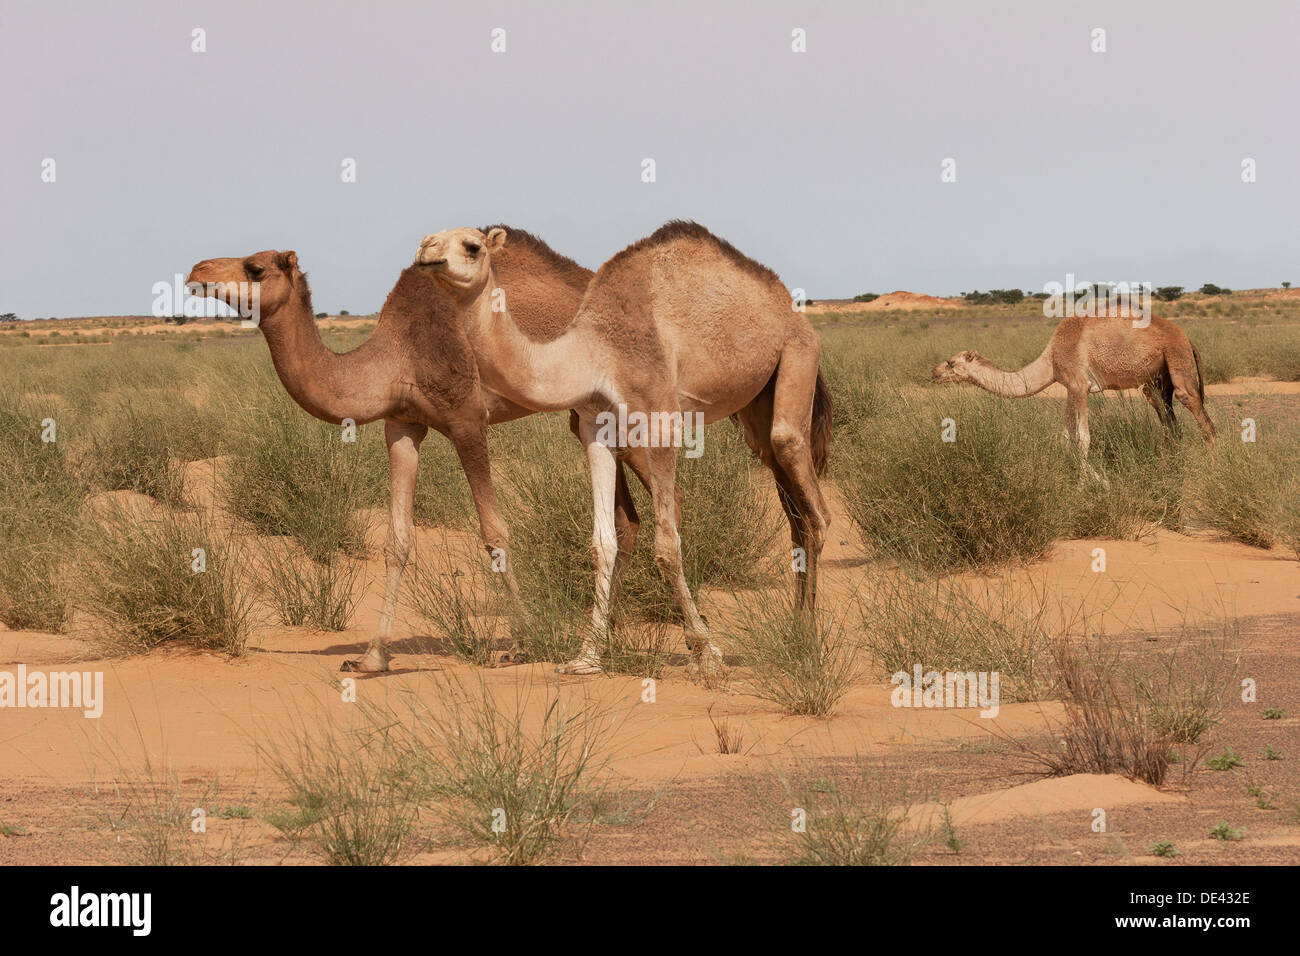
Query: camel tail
[
  {"x": 1200, "y": 379},
  {"x": 821, "y": 425}
]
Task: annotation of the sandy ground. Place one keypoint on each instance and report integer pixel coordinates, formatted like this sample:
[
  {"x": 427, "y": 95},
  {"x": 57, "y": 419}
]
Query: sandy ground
[{"x": 203, "y": 715}]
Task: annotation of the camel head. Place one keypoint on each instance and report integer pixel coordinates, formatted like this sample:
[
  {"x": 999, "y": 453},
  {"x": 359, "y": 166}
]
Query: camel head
[
  {"x": 956, "y": 369},
  {"x": 460, "y": 259},
  {"x": 257, "y": 286}
]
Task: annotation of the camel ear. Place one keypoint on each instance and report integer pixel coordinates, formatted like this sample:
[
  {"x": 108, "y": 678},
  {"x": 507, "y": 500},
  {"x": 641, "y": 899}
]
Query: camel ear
[
  {"x": 496, "y": 239},
  {"x": 288, "y": 262}
]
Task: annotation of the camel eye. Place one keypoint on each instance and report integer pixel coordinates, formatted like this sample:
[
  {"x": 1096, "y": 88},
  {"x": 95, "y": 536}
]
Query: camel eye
[
  {"x": 472, "y": 248},
  {"x": 254, "y": 270}
]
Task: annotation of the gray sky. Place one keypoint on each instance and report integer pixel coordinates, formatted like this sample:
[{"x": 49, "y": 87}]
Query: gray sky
[{"x": 825, "y": 165}]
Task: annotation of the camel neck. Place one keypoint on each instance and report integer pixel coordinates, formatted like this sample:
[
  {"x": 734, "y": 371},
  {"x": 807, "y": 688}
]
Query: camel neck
[
  {"x": 328, "y": 385},
  {"x": 540, "y": 375},
  {"x": 1030, "y": 380}
]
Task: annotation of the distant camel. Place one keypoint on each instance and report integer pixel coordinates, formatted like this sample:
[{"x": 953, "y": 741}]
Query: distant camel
[
  {"x": 1095, "y": 355},
  {"x": 416, "y": 371},
  {"x": 677, "y": 324}
]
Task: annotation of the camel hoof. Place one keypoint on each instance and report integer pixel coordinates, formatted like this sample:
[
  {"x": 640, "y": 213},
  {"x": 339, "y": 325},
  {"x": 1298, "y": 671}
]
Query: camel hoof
[
  {"x": 587, "y": 664},
  {"x": 370, "y": 663},
  {"x": 706, "y": 662}
]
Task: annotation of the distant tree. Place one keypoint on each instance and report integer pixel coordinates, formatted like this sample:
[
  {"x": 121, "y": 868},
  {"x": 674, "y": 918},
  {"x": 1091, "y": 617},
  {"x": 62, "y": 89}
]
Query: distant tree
[
  {"x": 8, "y": 317},
  {"x": 344, "y": 312},
  {"x": 321, "y": 315},
  {"x": 1285, "y": 285},
  {"x": 1168, "y": 293},
  {"x": 867, "y": 297},
  {"x": 1211, "y": 289}
]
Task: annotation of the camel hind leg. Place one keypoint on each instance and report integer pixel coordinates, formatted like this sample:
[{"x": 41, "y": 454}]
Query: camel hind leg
[
  {"x": 793, "y": 392},
  {"x": 1186, "y": 387},
  {"x": 1160, "y": 393},
  {"x": 756, "y": 419}
]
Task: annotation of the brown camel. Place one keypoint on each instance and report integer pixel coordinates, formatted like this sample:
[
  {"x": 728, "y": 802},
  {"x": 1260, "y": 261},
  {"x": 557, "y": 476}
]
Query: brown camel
[
  {"x": 416, "y": 371},
  {"x": 678, "y": 328},
  {"x": 1095, "y": 355}
]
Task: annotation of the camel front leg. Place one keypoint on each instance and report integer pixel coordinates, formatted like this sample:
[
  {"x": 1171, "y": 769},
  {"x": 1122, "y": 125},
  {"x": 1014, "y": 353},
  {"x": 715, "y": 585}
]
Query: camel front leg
[
  {"x": 1076, "y": 422},
  {"x": 470, "y": 443},
  {"x": 403, "y": 439},
  {"x": 604, "y": 548}
]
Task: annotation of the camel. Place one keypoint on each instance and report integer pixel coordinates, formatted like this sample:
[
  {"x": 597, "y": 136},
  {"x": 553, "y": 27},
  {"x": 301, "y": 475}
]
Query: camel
[
  {"x": 676, "y": 328},
  {"x": 416, "y": 371},
  {"x": 1096, "y": 355}
]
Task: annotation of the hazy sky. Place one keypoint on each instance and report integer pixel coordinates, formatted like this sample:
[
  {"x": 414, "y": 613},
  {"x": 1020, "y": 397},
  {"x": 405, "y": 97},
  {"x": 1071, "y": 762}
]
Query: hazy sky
[{"x": 824, "y": 165}]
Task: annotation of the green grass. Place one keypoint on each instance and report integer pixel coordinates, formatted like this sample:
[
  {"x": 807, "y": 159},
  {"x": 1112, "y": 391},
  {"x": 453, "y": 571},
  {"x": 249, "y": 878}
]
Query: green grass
[
  {"x": 140, "y": 581},
  {"x": 1226, "y": 760},
  {"x": 908, "y": 620},
  {"x": 40, "y": 499},
  {"x": 972, "y": 502},
  {"x": 803, "y": 661},
  {"x": 728, "y": 527},
  {"x": 296, "y": 476}
]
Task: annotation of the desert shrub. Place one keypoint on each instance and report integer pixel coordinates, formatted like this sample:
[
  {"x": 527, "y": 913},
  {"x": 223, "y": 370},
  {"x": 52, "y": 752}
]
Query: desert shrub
[
  {"x": 296, "y": 476},
  {"x": 942, "y": 626},
  {"x": 133, "y": 452},
  {"x": 40, "y": 495},
  {"x": 350, "y": 794},
  {"x": 1108, "y": 726},
  {"x": 993, "y": 495},
  {"x": 304, "y": 592},
  {"x": 506, "y": 779},
  {"x": 728, "y": 523},
  {"x": 1247, "y": 490},
  {"x": 804, "y": 661},
  {"x": 854, "y": 820},
  {"x": 141, "y": 580},
  {"x": 1186, "y": 685}
]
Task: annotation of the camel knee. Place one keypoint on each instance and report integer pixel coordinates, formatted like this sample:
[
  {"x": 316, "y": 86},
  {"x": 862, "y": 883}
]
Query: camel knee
[{"x": 788, "y": 442}]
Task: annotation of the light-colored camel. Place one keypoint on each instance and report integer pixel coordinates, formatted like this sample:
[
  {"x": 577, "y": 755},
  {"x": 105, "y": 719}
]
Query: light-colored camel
[
  {"x": 1096, "y": 355},
  {"x": 416, "y": 371},
  {"x": 678, "y": 323}
]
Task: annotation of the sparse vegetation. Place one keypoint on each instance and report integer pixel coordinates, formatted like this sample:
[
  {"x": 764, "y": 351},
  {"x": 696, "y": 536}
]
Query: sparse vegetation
[
  {"x": 1225, "y": 761},
  {"x": 1226, "y": 833},
  {"x": 157, "y": 578},
  {"x": 803, "y": 661}
]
